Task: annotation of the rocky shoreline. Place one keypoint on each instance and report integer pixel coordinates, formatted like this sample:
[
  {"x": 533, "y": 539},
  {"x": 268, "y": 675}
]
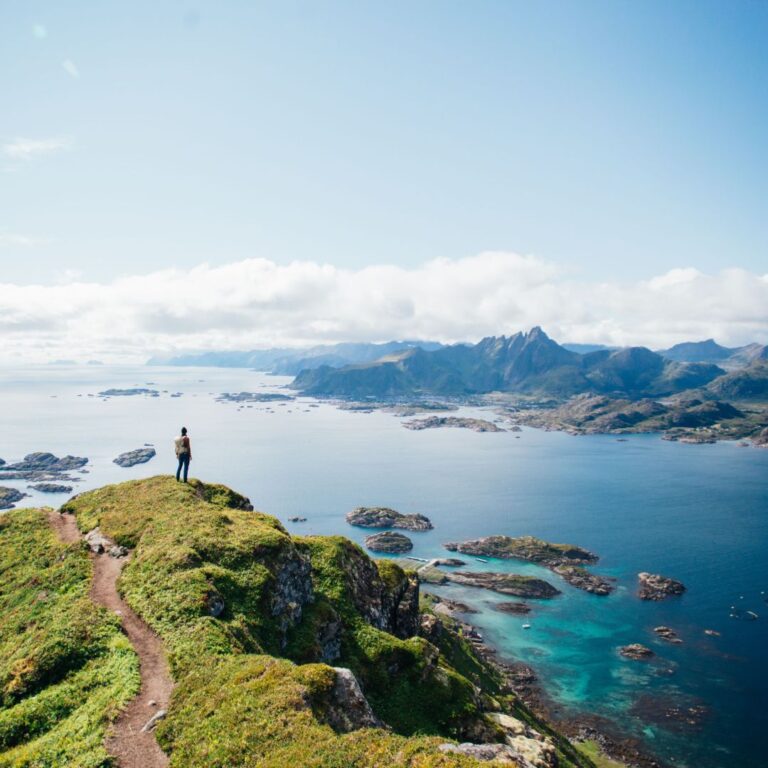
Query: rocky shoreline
[{"x": 521, "y": 680}]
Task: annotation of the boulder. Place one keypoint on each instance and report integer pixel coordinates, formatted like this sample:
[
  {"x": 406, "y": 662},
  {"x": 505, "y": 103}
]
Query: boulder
[
  {"x": 215, "y": 604},
  {"x": 97, "y": 542},
  {"x": 348, "y": 709}
]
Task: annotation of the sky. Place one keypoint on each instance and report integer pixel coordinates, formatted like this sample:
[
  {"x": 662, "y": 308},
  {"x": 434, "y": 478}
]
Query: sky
[{"x": 579, "y": 165}]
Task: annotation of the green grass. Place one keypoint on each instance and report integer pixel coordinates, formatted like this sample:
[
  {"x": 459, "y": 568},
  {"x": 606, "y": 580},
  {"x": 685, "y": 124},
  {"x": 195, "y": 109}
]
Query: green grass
[
  {"x": 250, "y": 689},
  {"x": 65, "y": 668},
  {"x": 592, "y": 750}
]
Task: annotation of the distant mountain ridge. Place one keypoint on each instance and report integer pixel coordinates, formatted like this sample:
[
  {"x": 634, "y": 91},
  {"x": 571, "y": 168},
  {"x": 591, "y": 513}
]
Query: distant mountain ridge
[
  {"x": 289, "y": 362},
  {"x": 709, "y": 351},
  {"x": 527, "y": 363}
]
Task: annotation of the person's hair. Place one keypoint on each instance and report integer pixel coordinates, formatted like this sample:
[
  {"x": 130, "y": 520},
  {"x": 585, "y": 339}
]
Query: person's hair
[{"x": 183, "y": 430}]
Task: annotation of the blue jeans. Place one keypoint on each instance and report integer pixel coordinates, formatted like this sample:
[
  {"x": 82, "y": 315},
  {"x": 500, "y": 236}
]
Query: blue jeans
[{"x": 183, "y": 463}]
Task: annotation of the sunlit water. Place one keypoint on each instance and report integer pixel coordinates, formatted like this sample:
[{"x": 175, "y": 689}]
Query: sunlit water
[{"x": 697, "y": 513}]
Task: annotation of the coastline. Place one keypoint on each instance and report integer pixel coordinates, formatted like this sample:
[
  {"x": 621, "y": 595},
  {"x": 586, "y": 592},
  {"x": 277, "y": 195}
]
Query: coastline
[{"x": 522, "y": 681}]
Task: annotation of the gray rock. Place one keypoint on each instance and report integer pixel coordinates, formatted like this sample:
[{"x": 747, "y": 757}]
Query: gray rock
[
  {"x": 131, "y": 458},
  {"x": 153, "y": 721},
  {"x": 292, "y": 590},
  {"x": 51, "y": 488},
  {"x": 40, "y": 461},
  {"x": 133, "y": 391},
  {"x": 9, "y": 497},
  {"x": 384, "y": 517},
  {"x": 97, "y": 542},
  {"x": 215, "y": 604},
  {"x": 636, "y": 651},
  {"x": 117, "y": 550},
  {"x": 656, "y": 587},
  {"x": 348, "y": 709}
]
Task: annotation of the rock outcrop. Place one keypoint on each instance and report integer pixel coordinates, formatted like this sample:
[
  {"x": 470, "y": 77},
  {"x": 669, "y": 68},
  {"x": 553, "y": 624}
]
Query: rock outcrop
[
  {"x": 384, "y": 517},
  {"x": 563, "y": 559},
  {"x": 348, "y": 709},
  {"x": 138, "y": 456},
  {"x": 668, "y": 634},
  {"x": 9, "y": 497},
  {"x": 506, "y": 583},
  {"x": 581, "y": 578},
  {"x": 656, "y": 587},
  {"x": 524, "y": 548},
  {"x": 636, "y": 651},
  {"x": 389, "y": 541},
  {"x": 51, "y": 488},
  {"x": 436, "y": 422},
  {"x": 523, "y": 746}
]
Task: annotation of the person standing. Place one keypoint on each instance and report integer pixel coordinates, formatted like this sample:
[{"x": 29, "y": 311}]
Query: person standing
[{"x": 183, "y": 453}]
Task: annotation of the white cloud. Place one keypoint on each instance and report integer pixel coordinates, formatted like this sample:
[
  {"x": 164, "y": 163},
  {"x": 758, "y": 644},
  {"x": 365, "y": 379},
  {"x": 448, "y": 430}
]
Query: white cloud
[
  {"x": 15, "y": 240},
  {"x": 39, "y": 31},
  {"x": 256, "y": 303},
  {"x": 71, "y": 68},
  {"x": 24, "y": 149}
]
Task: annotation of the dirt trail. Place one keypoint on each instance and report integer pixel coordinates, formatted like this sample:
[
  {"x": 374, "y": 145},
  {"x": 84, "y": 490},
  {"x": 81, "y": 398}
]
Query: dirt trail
[{"x": 132, "y": 747}]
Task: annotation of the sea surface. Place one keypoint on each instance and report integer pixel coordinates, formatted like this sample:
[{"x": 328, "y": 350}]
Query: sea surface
[{"x": 698, "y": 513}]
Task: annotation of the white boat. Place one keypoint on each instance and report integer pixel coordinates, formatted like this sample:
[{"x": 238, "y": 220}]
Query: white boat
[
  {"x": 480, "y": 560},
  {"x": 526, "y": 626}
]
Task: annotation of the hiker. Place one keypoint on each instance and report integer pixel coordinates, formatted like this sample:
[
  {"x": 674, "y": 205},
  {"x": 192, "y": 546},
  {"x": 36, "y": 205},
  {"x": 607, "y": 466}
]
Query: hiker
[{"x": 183, "y": 453}]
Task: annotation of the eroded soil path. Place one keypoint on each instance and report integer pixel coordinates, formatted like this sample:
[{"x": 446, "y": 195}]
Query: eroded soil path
[{"x": 131, "y": 746}]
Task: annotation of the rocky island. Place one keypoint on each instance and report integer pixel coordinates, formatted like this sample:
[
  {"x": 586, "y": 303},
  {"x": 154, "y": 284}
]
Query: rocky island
[
  {"x": 384, "y": 517},
  {"x": 656, "y": 587},
  {"x": 504, "y": 583},
  {"x": 563, "y": 559},
  {"x": 130, "y": 392},
  {"x": 389, "y": 541},
  {"x": 9, "y": 497},
  {"x": 137, "y": 456},
  {"x": 320, "y": 656},
  {"x": 436, "y": 422},
  {"x": 253, "y": 397},
  {"x": 51, "y": 488},
  {"x": 42, "y": 466},
  {"x": 636, "y": 651}
]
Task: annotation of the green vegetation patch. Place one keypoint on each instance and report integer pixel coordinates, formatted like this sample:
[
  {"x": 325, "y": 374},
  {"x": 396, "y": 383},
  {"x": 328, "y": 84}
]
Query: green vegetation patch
[
  {"x": 65, "y": 668},
  {"x": 198, "y": 553},
  {"x": 259, "y": 710}
]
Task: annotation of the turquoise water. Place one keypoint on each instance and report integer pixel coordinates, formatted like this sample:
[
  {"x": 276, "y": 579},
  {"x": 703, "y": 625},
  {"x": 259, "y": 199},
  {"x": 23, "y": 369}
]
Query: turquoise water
[{"x": 697, "y": 513}]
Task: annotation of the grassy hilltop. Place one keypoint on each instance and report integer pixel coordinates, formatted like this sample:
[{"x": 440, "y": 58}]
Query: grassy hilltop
[{"x": 253, "y": 622}]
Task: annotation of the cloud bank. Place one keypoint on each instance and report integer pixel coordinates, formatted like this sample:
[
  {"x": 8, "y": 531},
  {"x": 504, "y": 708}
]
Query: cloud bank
[
  {"x": 25, "y": 149},
  {"x": 258, "y": 303}
]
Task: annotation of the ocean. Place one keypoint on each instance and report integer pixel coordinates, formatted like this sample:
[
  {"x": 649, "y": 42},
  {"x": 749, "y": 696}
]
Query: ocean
[{"x": 697, "y": 513}]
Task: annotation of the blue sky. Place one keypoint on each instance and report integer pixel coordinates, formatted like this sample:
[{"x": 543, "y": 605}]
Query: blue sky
[{"x": 617, "y": 139}]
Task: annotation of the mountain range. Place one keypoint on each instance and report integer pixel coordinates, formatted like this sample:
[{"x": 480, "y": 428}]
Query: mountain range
[
  {"x": 526, "y": 363},
  {"x": 710, "y": 351},
  {"x": 289, "y": 362}
]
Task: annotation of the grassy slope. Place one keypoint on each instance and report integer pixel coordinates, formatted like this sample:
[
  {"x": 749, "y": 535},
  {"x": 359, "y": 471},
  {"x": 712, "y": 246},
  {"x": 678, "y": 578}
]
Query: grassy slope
[
  {"x": 241, "y": 699},
  {"x": 190, "y": 543},
  {"x": 65, "y": 668}
]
